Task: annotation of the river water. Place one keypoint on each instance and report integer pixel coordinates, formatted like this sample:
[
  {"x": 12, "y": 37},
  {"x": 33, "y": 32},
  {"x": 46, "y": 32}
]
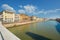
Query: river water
[{"x": 48, "y": 30}]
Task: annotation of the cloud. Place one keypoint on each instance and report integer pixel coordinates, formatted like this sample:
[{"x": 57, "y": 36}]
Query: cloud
[
  {"x": 49, "y": 11},
  {"x": 35, "y": 11},
  {"x": 57, "y": 9},
  {"x": 41, "y": 11},
  {"x": 30, "y": 8},
  {"x": 8, "y": 8},
  {"x": 21, "y": 6},
  {"x": 21, "y": 11}
]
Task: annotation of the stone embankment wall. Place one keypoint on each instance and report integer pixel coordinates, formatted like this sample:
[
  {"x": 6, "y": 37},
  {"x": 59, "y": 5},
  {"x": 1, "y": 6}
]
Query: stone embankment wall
[{"x": 18, "y": 23}]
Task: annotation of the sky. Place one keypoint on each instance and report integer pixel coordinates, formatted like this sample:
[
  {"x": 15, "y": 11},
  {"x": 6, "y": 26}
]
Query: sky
[{"x": 39, "y": 8}]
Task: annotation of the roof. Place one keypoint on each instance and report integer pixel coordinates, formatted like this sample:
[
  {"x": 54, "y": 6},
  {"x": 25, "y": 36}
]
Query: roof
[
  {"x": 22, "y": 14},
  {"x": 8, "y": 11}
]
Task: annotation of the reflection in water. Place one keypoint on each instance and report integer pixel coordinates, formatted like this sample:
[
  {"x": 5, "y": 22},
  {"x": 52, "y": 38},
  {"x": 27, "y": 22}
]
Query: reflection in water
[
  {"x": 58, "y": 27},
  {"x": 40, "y": 29},
  {"x": 36, "y": 36}
]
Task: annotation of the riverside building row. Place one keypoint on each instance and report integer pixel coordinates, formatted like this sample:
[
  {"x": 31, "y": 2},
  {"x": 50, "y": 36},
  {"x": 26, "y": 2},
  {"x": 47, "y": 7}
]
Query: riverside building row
[{"x": 9, "y": 17}]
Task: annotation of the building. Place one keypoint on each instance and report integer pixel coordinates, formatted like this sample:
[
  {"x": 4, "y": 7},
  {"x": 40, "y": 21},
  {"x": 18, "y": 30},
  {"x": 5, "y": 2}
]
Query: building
[
  {"x": 17, "y": 17},
  {"x": 1, "y": 16},
  {"x": 8, "y": 16},
  {"x": 33, "y": 18},
  {"x": 58, "y": 20},
  {"x": 41, "y": 19},
  {"x": 24, "y": 17}
]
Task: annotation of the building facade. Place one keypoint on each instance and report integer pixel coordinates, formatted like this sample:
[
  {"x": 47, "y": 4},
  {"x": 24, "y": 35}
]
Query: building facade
[
  {"x": 17, "y": 17},
  {"x": 24, "y": 17},
  {"x": 1, "y": 16},
  {"x": 33, "y": 18},
  {"x": 8, "y": 16}
]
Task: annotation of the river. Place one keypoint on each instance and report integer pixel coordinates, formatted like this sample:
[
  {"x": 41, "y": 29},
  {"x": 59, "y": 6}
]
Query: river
[{"x": 48, "y": 30}]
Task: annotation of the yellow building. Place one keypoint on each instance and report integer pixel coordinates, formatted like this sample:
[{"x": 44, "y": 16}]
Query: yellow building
[
  {"x": 8, "y": 16},
  {"x": 24, "y": 17}
]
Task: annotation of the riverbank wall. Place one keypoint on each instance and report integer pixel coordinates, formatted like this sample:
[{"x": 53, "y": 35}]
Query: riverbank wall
[{"x": 18, "y": 23}]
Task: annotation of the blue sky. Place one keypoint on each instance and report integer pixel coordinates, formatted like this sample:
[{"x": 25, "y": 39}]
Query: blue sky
[{"x": 40, "y": 8}]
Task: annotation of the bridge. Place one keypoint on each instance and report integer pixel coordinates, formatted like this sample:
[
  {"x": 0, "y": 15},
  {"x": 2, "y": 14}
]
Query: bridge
[{"x": 5, "y": 34}]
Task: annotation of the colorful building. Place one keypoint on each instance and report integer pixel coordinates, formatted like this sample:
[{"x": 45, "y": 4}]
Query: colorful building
[
  {"x": 8, "y": 16},
  {"x": 24, "y": 17}
]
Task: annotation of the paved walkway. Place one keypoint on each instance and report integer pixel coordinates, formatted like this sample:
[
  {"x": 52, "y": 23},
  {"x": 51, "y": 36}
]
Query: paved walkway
[
  {"x": 0, "y": 37},
  {"x": 5, "y": 34}
]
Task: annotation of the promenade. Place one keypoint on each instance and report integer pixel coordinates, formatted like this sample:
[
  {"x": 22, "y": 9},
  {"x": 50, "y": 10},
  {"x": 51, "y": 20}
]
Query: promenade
[{"x": 5, "y": 34}]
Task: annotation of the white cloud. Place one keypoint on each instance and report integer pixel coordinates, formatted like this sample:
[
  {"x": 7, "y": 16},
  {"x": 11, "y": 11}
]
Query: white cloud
[
  {"x": 35, "y": 10},
  {"x": 8, "y": 8},
  {"x": 48, "y": 11},
  {"x": 30, "y": 8},
  {"x": 57, "y": 9},
  {"x": 21, "y": 6},
  {"x": 27, "y": 9},
  {"x": 41, "y": 11},
  {"x": 21, "y": 11}
]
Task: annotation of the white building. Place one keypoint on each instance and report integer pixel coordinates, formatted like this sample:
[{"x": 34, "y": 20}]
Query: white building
[
  {"x": 1, "y": 19},
  {"x": 8, "y": 16},
  {"x": 17, "y": 17}
]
